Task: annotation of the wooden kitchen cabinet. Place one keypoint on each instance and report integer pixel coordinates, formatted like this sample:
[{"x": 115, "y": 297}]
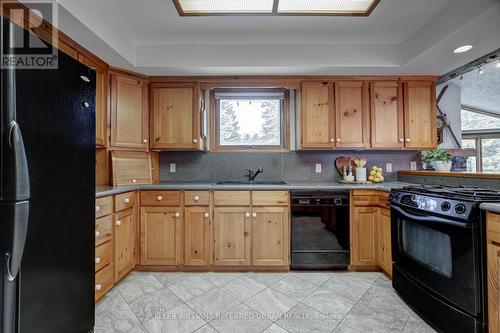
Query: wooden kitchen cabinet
[
  {"x": 352, "y": 114},
  {"x": 175, "y": 117},
  {"x": 364, "y": 236},
  {"x": 197, "y": 224},
  {"x": 232, "y": 239},
  {"x": 387, "y": 116},
  {"x": 318, "y": 115},
  {"x": 161, "y": 229},
  {"x": 270, "y": 236},
  {"x": 493, "y": 270},
  {"x": 385, "y": 255},
  {"x": 129, "y": 112},
  {"x": 420, "y": 114},
  {"x": 124, "y": 243}
]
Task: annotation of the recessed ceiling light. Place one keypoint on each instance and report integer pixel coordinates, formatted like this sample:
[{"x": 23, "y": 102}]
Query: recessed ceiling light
[
  {"x": 480, "y": 71},
  {"x": 462, "y": 49},
  {"x": 276, "y": 7},
  {"x": 498, "y": 64}
]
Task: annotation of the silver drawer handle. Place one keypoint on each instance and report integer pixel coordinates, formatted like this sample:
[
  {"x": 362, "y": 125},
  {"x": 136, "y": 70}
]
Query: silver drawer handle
[
  {"x": 247, "y": 214},
  {"x": 145, "y": 140},
  {"x": 196, "y": 198},
  {"x": 134, "y": 180},
  {"x": 97, "y": 260},
  {"x": 159, "y": 198},
  {"x": 98, "y": 287},
  {"x": 118, "y": 222},
  {"x": 206, "y": 215},
  {"x": 177, "y": 214},
  {"x": 254, "y": 214},
  {"x": 127, "y": 200}
]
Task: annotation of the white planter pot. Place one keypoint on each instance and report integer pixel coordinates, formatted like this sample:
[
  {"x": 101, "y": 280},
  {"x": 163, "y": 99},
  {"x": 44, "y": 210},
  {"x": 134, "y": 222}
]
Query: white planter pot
[{"x": 442, "y": 166}]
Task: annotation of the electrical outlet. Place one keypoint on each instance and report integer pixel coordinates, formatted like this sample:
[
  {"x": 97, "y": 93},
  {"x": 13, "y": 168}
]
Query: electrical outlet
[
  {"x": 388, "y": 167},
  {"x": 413, "y": 166},
  {"x": 318, "y": 167},
  {"x": 172, "y": 167}
]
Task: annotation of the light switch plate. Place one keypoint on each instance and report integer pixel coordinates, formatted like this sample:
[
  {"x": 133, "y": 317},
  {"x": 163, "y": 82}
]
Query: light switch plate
[
  {"x": 172, "y": 167},
  {"x": 413, "y": 166},
  {"x": 318, "y": 167},
  {"x": 388, "y": 167}
]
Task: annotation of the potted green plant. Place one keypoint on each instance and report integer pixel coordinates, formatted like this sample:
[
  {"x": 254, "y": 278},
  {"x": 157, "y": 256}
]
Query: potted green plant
[{"x": 438, "y": 158}]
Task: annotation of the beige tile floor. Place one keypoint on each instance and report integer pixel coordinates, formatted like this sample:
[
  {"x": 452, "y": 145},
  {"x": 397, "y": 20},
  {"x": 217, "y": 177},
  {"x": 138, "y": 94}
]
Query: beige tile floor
[{"x": 295, "y": 302}]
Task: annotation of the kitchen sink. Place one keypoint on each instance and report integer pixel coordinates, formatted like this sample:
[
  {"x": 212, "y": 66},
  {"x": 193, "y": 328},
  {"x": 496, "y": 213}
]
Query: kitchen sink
[{"x": 263, "y": 182}]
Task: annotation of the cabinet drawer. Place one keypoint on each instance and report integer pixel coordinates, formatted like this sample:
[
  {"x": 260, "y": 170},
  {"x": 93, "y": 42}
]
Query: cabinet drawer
[
  {"x": 103, "y": 206},
  {"x": 493, "y": 227},
  {"x": 103, "y": 229},
  {"x": 196, "y": 198},
  {"x": 131, "y": 168},
  {"x": 124, "y": 201},
  {"x": 232, "y": 198},
  {"x": 160, "y": 198},
  {"x": 270, "y": 198},
  {"x": 103, "y": 255},
  {"x": 103, "y": 282}
]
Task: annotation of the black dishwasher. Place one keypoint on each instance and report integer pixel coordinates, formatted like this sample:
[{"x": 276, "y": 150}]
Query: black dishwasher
[{"x": 320, "y": 230}]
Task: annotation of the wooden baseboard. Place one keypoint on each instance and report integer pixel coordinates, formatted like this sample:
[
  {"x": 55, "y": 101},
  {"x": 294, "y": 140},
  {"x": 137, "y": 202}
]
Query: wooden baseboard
[{"x": 141, "y": 268}]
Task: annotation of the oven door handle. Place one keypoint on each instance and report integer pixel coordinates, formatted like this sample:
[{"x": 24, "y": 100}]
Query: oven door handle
[{"x": 430, "y": 218}]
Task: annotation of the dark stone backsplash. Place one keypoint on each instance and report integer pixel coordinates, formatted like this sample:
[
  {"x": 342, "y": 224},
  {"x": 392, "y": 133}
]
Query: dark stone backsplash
[{"x": 290, "y": 166}]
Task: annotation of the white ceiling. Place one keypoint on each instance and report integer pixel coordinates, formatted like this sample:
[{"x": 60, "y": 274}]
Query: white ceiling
[{"x": 400, "y": 37}]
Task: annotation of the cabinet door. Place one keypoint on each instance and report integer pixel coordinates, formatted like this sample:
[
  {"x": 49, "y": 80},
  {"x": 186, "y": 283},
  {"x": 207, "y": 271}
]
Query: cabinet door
[
  {"x": 197, "y": 236},
  {"x": 129, "y": 113},
  {"x": 364, "y": 236},
  {"x": 352, "y": 115},
  {"x": 175, "y": 120},
  {"x": 270, "y": 234},
  {"x": 160, "y": 235},
  {"x": 318, "y": 117},
  {"x": 101, "y": 100},
  {"x": 387, "y": 115},
  {"x": 232, "y": 236},
  {"x": 420, "y": 114},
  {"x": 493, "y": 271},
  {"x": 123, "y": 245},
  {"x": 385, "y": 256}
]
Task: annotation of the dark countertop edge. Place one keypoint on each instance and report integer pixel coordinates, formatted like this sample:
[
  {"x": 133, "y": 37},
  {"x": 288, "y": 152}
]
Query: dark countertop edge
[
  {"x": 491, "y": 207},
  {"x": 102, "y": 191}
]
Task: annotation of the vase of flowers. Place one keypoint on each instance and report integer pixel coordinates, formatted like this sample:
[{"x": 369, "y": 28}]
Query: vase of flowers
[{"x": 438, "y": 158}]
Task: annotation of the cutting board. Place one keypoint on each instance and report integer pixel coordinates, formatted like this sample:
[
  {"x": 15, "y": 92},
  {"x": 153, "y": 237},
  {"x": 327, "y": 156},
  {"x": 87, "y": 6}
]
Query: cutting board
[{"x": 343, "y": 160}]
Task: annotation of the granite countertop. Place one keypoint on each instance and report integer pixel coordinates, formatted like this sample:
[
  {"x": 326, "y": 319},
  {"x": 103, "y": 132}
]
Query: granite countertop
[{"x": 108, "y": 190}]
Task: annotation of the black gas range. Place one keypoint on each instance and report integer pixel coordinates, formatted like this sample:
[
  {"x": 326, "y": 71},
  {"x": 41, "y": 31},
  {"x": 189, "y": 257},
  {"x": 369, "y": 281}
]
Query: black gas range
[{"x": 438, "y": 241}]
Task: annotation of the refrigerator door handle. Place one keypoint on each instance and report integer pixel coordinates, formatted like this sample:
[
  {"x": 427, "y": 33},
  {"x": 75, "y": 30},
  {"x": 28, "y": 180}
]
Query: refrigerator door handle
[{"x": 18, "y": 214}]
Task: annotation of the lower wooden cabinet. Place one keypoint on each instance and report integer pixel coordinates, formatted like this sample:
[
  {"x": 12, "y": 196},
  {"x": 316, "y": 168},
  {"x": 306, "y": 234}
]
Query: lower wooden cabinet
[
  {"x": 197, "y": 236},
  {"x": 103, "y": 282},
  {"x": 385, "y": 255},
  {"x": 161, "y": 235},
  {"x": 124, "y": 243},
  {"x": 364, "y": 236},
  {"x": 270, "y": 236},
  {"x": 232, "y": 236},
  {"x": 493, "y": 268}
]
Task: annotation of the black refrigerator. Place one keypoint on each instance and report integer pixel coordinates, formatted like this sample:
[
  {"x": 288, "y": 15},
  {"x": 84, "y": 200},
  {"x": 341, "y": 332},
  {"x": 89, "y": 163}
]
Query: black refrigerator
[{"x": 47, "y": 191}]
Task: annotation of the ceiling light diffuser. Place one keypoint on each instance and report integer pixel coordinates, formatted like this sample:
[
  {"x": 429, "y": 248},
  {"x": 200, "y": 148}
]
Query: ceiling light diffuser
[
  {"x": 276, "y": 7},
  {"x": 462, "y": 49}
]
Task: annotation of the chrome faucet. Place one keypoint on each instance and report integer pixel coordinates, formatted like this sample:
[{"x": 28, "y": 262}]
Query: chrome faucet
[{"x": 252, "y": 175}]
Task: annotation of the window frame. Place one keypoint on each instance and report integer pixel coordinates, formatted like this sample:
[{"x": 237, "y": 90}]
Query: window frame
[
  {"x": 285, "y": 123},
  {"x": 479, "y": 135}
]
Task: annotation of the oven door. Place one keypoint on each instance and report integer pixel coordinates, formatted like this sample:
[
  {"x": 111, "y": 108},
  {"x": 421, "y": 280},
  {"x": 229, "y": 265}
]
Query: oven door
[{"x": 437, "y": 253}]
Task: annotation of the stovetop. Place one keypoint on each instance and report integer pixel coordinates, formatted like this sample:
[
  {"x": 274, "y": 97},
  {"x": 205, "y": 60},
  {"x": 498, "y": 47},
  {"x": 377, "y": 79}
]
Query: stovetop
[{"x": 469, "y": 193}]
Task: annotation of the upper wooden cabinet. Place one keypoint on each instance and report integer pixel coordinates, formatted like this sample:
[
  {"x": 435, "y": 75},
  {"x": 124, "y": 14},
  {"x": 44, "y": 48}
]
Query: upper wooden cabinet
[
  {"x": 101, "y": 99},
  {"x": 175, "y": 117},
  {"x": 387, "y": 124},
  {"x": 129, "y": 112},
  {"x": 352, "y": 114},
  {"x": 318, "y": 118},
  {"x": 420, "y": 114}
]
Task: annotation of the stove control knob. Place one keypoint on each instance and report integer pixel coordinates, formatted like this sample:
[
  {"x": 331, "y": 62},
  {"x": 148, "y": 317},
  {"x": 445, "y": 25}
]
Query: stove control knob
[
  {"x": 460, "y": 208},
  {"x": 445, "y": 206},
  {"x": 337, "y": 201}
]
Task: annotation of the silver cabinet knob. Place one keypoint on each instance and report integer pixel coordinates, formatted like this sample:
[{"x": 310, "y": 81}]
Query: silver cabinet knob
[
  {"x": 206, "y": 215},
  {"x": 97, "y": 233},
  {"x": 195, "y": 140},
  {"x": 134, "y": 180},
  {"x": 97, "y": 260},
  {"x": 338, "y": 140},
  {"x": 247, "y": 214},
  {"x": 177, "y": 214},
  {"x": 118, "y": 222},
  {"x": 145, "y": 140},
  {"x": 408, "y": 140},
  {"x": 332, "y": 140},
  {"x": 254, "y": 214},
  {"x": 159, "y": 198},
  {"x": 401, "y": 140},
  {"x": 97, "y": 208},
  {"x": 126, "y": 200},
  {"x": 196, "y": 198},
  {"x": 98, "y": 287}
]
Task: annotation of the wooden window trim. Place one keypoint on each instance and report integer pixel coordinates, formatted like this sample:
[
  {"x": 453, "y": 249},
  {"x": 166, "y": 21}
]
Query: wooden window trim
[{"x": 214, "y": 145}]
